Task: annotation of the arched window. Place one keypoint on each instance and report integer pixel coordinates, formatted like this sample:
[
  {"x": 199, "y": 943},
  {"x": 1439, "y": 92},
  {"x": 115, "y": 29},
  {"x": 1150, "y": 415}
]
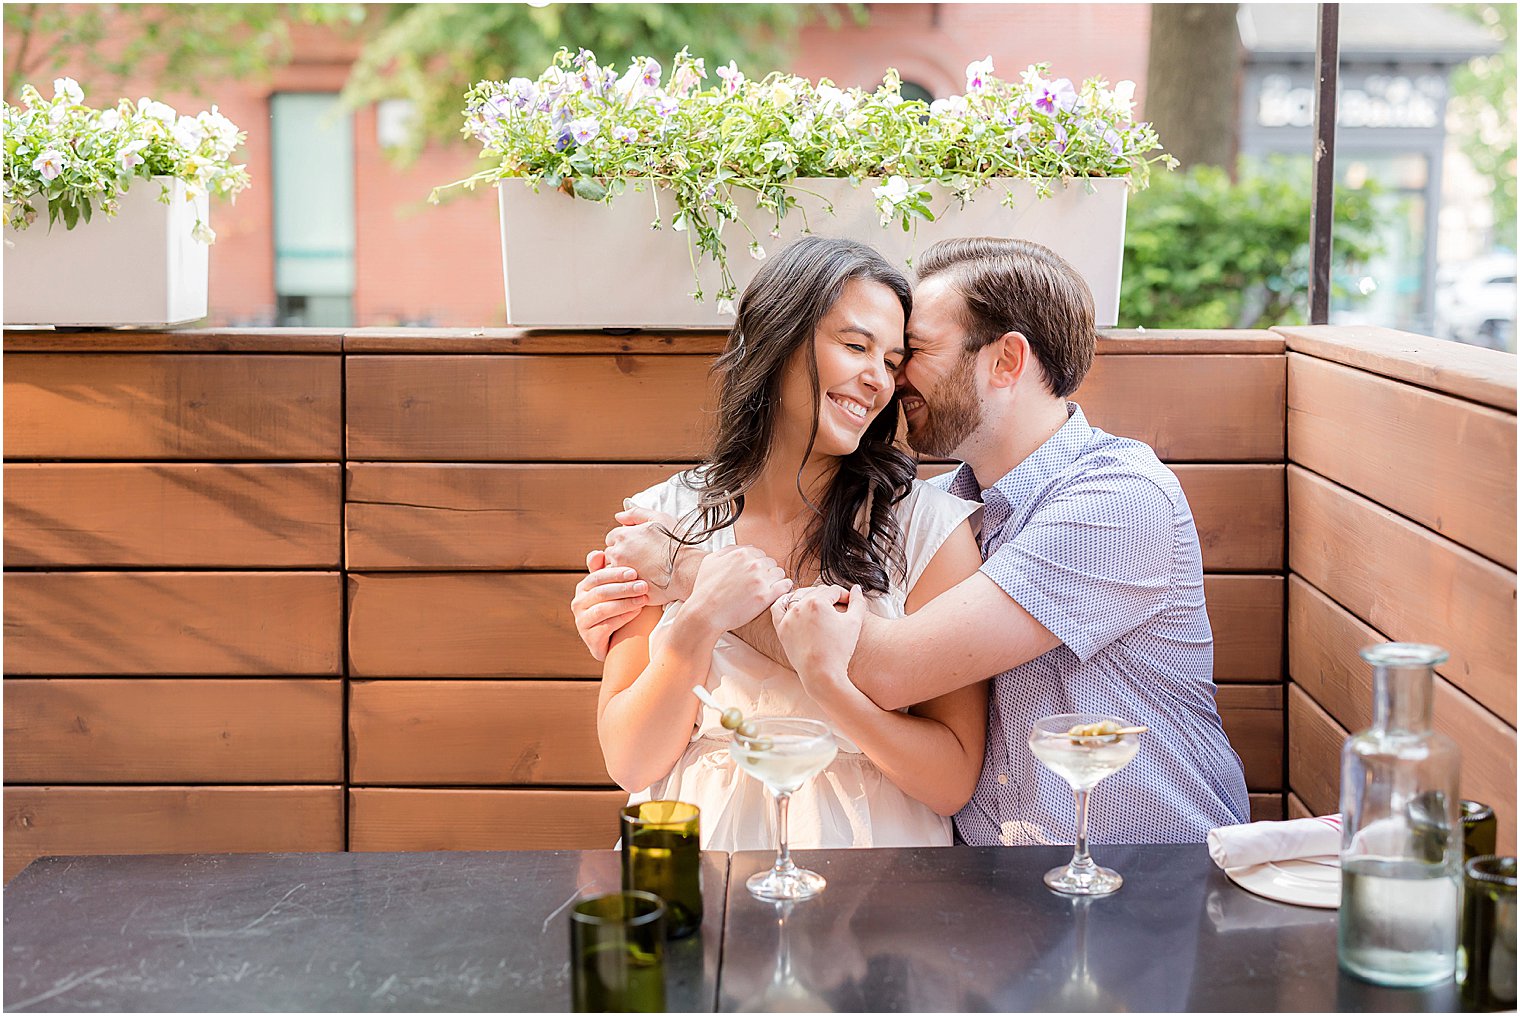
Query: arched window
[{"x": 914, "y": 90}]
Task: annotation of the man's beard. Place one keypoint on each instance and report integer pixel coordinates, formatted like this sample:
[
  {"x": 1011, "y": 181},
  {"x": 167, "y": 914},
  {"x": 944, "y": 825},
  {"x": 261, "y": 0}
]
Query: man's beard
[{"x": 951, "y": 416}]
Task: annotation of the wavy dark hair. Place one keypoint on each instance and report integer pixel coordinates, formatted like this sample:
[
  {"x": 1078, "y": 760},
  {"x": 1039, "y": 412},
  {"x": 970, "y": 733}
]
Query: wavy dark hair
[{"x": 777, "y": 315}]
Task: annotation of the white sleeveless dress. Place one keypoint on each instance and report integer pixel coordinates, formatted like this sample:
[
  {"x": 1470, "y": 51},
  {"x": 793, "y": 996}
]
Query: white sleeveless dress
[{"x": 851, "y": 803}]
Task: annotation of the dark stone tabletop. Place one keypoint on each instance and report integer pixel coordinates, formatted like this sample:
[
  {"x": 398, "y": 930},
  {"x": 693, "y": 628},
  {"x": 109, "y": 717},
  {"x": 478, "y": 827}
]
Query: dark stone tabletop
[{"x": 922, "y": 929}]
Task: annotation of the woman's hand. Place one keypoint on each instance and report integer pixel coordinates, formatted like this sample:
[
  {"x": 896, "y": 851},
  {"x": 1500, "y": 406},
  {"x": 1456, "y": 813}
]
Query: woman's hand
[
  {"x": 819, "y": 636},
  {"x": 734, "y": 586}
]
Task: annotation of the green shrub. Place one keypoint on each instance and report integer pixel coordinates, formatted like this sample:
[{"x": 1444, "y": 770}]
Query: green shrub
[{"x": 1202, "y": 252}]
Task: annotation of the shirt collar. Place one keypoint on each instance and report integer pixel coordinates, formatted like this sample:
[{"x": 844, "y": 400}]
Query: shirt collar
[{"x": 1032, "y": 475}]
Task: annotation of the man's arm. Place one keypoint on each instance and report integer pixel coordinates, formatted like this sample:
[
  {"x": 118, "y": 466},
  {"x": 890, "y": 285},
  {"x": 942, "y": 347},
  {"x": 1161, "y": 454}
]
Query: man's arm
[{"x": 962, "y": 636}]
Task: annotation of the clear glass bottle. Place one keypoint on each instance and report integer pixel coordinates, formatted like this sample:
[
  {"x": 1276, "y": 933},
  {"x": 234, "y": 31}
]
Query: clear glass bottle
[{"x": 1401, "y": 838}]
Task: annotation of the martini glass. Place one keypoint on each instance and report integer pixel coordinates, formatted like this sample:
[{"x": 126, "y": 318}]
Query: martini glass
[
  {"x": 1082, "y": 761},
  {"x": 784, "y": 753}
]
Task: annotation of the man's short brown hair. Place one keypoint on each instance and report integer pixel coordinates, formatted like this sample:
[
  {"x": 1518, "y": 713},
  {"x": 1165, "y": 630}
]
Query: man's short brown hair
[{"x": 1019, "y": 286}]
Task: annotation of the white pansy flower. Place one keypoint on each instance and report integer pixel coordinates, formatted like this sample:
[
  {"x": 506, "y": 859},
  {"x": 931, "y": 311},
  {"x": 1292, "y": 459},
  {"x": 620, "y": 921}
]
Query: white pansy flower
[
  {"x": 831, "y": 98},
  {"x": 155, "y": 110},
  {"x": 128, "y": 154},
  {"x": 756, "y": 251},
  {"x": 109, "y": 120},
  {"x": 1124, "y": 97},
  {"x": 854, "y": 120},
  {"x": 213, "y": 124},
  {"x": 1032, "y": 79},
  {"x": 50, "y": 163},
  {"x": 203, "y": 233},
  {"x": 187, "y": 132},
  {"x": 782, "y": 94},
  {"x": 894, "y": 190},
  {"x": 950, "y": 106},
  {"x": 890, "y": 195},
  {"x": 68, "y": 89},
  {"x": 977, "y": 74}
]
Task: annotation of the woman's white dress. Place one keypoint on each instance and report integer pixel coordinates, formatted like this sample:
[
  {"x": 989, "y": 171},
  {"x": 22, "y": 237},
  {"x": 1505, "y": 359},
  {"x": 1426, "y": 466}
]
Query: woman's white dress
[{"x": 851, "y": 803}]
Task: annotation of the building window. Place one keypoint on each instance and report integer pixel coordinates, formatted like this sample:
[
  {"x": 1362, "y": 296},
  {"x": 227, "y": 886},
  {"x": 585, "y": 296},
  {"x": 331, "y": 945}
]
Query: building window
[
  {"x": 312, "y": 140},
  {"x": 914, "y": 90}
]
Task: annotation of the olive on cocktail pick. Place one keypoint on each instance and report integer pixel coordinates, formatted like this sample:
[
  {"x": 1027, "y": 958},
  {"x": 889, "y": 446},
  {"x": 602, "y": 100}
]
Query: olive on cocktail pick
[
  {"x": 732, "y": 719},
  {"x": 746, "y": 729}
]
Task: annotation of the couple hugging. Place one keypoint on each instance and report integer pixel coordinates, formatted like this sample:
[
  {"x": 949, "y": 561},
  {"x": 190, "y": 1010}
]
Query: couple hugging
[{"x": 804, "y": 570}]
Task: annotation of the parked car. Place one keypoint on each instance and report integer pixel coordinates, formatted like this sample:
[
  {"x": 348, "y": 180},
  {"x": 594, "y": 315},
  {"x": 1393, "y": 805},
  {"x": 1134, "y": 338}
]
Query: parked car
[{"x": 1475, "y": 301}]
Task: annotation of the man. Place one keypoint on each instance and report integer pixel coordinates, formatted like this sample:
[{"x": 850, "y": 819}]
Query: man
[{"x": 1090, "y": 598}]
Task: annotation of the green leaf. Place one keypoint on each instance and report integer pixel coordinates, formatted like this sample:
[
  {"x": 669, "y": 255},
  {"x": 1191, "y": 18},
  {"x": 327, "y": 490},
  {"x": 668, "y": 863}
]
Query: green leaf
[{"x": 591, "y": 190}]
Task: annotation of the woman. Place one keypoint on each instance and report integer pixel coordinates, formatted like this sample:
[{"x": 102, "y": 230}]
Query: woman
[{"x": 804, "y": 472}]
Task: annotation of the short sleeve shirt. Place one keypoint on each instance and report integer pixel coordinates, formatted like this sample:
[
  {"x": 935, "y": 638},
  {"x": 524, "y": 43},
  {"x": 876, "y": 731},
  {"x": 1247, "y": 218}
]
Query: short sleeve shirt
[{"x": 1093, "y": 536}]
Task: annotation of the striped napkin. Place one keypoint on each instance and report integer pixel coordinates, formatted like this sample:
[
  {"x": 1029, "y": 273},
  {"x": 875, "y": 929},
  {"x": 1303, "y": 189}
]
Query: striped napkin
[{"x": 1241, "y": 846}]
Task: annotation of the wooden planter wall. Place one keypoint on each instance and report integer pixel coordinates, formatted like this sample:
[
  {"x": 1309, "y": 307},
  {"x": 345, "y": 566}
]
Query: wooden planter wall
[
  {"x": 1401, "y": 509},
  {"x": 297, "y": 590}
]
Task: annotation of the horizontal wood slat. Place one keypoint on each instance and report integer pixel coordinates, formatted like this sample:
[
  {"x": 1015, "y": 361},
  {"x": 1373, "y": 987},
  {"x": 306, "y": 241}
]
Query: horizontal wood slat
[
  {"x": 1266, "y": 807},
  {"x": 487, "y": 732},
  {"x": 170, "y": 406},
  {"x": 1469, "y": 372},
  {"x": 395, "y": 819},
  {"x": 548, "y": 408},
  {"x": 178, "y": 340},
  {"x": 493, "y": 624},
  {"x": 75, "y": 730},
  {"x": 173, "y": 623},
  {"x": 465, "y": 625},
  {"x": 477, "y": 516},
  {"x": 469, "y": 341},
  {"x": 1446, "y": 463},
  {"x": 1246, "y": 614},
  {"x": 474, "y": 733},
  {"x": 1314, "y": 753},
  {"x": 527, "y": 408},
  {"x": 1241, "y": 512},
  {"x": 1323, "y": 640},
  {"x": 1188, "y": 340},
  {"x": 167, "y": 515},
  {"x": 517, "y": 340},
  {"x": 1191, "y": 408},
  {"x": 43, "y": 821},
  {"x": 1253, "y": 720},
  {"x": 1409, "y": 583}
]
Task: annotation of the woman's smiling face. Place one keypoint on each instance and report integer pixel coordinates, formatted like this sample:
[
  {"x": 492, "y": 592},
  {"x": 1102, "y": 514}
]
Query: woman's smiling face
[{"x": 858, "y": 347}]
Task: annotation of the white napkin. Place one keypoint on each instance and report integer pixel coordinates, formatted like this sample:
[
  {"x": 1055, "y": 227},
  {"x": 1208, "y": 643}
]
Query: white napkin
[{"x": 1240, "y": 846}]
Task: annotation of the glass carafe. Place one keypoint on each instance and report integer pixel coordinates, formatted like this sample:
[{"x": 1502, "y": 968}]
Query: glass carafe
[{"x": 1401, "y": 839}]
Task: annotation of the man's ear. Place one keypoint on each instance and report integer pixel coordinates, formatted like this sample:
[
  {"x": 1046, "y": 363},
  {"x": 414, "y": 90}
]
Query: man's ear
[{"x": 1011, "y": 357}]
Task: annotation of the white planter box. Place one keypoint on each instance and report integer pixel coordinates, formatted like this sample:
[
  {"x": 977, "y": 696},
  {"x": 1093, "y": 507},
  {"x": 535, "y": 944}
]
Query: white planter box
[
  {"x": 571, "y": 263},
  {"x": 141, "y": 267}
]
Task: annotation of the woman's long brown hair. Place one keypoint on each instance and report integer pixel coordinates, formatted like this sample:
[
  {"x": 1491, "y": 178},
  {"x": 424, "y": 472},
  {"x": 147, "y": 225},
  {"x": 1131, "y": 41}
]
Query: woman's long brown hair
[{"x": 777, "y": 315}]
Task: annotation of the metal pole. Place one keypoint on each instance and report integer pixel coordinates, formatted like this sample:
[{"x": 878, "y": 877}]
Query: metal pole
[{"x": 1322, "y": 213}]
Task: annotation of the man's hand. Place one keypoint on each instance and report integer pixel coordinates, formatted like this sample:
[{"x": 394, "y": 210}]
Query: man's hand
[
  {"x": 819, "y": 637},
  {"x": 640, "y": 542},
  {"x": 734, "y": 586},
  {"x": 604, "y": 601}
]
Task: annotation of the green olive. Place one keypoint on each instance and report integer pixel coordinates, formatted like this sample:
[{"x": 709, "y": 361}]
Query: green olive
[
  {"x": 732, "y": 718},
  {"x": 760, "y": 744},
  {"x": 747, "y": 729}
]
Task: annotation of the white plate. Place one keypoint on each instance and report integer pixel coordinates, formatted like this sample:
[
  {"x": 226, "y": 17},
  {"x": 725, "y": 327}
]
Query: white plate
[{"x": 1306, "y": 881}]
